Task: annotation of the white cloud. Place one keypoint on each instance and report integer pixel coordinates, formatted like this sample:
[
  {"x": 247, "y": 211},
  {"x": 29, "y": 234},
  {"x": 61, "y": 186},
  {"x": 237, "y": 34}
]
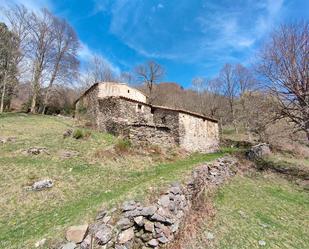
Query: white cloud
[
  {"x": 160, "y": 6},
  {"x": 34, "y": 5},
  {"x": 214, "y": 31},
  {"x": 86, "y": 54}
]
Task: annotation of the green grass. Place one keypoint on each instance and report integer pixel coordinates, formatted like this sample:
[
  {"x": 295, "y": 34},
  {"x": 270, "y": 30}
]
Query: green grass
[
  {"x": 287, "y": 159},
  {"x": 259, "y": 207},
  {"x": 82, "y": 184}
]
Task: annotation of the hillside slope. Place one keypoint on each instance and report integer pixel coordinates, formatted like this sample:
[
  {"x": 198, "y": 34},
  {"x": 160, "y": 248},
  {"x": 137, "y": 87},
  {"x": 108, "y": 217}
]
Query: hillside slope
[{"x": 95, "y": 176}]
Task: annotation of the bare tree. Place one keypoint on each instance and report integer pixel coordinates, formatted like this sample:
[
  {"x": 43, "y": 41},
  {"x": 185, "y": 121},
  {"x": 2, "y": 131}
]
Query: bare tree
[
  {"x": 64, "y": 63},
  {"x": 8, "y": 67},
  {"x": 41, "y": 40},
  {"x": 127, "y": 77},
  {"x": 230, "y": 88},
  {"x": 214, "y": 97},
  {"x": 246, "y": 84},
  {"x": 199, "y": 84},
  {"x": 149, "y": 74},
  {"x": 17, "y": 19},
  {"x": 97, "y": 70},
  {"x": 284, "y": 65}
]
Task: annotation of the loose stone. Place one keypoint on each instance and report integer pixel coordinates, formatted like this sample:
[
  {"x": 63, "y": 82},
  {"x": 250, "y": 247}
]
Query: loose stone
[
  {"x": 126, "y": 235},
  {"x": 76, "y": 234},
  {"x": 43, "y": 184},
  {"x": 153, "y": 243}
]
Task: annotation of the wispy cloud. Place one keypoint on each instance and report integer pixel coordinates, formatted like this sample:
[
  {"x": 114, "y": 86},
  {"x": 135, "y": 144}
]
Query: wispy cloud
[
  {"x": 86, "y": 54},
  {"x": 192, "y": 31},
  {"x": 34, "y": 5}
]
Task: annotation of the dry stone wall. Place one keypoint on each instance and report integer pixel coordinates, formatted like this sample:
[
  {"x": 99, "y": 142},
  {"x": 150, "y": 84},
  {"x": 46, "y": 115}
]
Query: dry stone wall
[
  {"x": 152, "y": 226},
  {"x": 146, "y": 135},
  {"x": 88, "y": 105},
  {"x": 198, "y": 134}
]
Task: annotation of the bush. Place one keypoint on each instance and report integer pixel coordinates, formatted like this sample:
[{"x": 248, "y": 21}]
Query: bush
[
  {"x": 123, "y": 145},
  {"x": 77, "y": 134}
]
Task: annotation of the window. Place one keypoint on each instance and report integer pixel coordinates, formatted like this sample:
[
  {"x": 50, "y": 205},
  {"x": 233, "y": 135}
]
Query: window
[
  {"x": 128, "y": 91},
  {"x": 139, "y": 108},
  {"x": 152, "y": 111},
  {"x": 163, "y": 120}
]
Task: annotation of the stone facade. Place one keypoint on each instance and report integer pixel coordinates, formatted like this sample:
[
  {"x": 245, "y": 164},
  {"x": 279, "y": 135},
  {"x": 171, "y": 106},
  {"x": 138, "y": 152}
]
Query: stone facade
[{"x": 126, "y": 115}]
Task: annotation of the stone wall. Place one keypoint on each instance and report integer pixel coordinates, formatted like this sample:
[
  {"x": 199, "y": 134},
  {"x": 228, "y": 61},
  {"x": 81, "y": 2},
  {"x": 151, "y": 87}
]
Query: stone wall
[
  {"x": 87, "y": 106},
  {"x": 198, "y": 134},
  {"x": 169, "y": 118},
  {"x": 117, "y": 114},
  {"x": 146, "y": 135},
  {"x": 154, "y": 225}
]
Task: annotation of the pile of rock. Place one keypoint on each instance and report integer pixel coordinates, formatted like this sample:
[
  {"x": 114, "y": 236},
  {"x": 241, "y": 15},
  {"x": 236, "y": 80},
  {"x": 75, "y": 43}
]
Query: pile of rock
[
  {"x": 36, "y": 151},
  {"x": 4, "y": 140},
  {"x": 154, "y": 225}
]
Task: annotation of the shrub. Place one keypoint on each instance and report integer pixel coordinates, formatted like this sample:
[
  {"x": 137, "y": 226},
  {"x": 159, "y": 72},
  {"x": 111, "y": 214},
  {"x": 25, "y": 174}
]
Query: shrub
[
  {"x": 77, "y": 134},
  {"x": 123, "y": 145}
]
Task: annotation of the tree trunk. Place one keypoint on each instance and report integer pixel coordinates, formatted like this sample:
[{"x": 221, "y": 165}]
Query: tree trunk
[
  {"x": 33, "y": 102},
  {"x": 3, "y": 93},
  {"x": 36, "y": 87},
  {"x": 307, "y": 130}
]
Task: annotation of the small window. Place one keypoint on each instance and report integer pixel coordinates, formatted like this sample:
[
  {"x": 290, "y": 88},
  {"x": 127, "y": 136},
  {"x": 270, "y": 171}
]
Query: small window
[
  {"x": 152, "y": 111},
  {"x": 139, "y": 106},
  {"x": 163, "y": 120},
  {"x": 128, "y": 91}
]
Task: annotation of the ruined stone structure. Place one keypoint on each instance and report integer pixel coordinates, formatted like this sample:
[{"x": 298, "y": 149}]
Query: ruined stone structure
[{"x": 122, "y": 110}]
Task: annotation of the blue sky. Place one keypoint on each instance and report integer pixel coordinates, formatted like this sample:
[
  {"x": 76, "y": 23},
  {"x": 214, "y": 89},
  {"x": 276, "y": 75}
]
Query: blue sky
[{"x": 188, "y": 37}]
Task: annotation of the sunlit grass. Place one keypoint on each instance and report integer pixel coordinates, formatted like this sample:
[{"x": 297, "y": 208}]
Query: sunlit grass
[{"x": 260, "y": 207}]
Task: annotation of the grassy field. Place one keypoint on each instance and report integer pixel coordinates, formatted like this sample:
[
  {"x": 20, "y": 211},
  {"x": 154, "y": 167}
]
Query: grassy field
[
  {"x": 260, "y": 207},
  {"x": 83, "y": 184}
]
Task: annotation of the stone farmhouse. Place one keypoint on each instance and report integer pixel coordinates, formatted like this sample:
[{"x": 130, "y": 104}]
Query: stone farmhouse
[{"x": 123, "y": 111}]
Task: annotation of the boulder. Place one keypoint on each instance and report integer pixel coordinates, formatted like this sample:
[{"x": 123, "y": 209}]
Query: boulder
[
  {"x": 126, "y": 235},
  {"x": 124, "y": 223},
  {"x": 149, "y": 226},
  {"x": 139, "y": 220},
  {"x": 148, "y": 211},
  {"x": 128, "y": 206},
  {"x": 76, "y": 234},
  {"x": 43, "y": 184},
  {"x": 153, "y": 243},
  {"x": 103, "y": 234},
  {"x": 258, "y": 151},
  {"x": 86, "y": 242},
  {"x": 69, "y": 245}
]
